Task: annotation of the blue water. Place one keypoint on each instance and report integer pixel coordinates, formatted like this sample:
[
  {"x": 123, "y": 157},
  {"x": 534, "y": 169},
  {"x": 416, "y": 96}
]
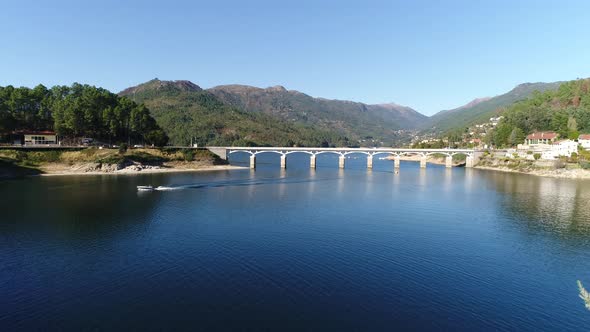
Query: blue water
[{"x": 296, "y": 249}]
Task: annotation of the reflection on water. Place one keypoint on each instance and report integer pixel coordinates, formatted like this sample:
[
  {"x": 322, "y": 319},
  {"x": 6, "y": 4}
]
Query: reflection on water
[
  {"x": 561, "y": 206},
  {"x": 300, "y": 249}
]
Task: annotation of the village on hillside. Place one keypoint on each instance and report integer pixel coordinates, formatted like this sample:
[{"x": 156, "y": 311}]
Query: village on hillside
[{"x": 539, "y": 145}]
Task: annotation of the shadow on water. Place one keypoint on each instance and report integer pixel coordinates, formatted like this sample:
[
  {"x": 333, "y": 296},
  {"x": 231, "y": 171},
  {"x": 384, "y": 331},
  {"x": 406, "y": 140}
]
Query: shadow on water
[
  {"x": 10, "y": 170},
  {"x": 74, "y": 205}
]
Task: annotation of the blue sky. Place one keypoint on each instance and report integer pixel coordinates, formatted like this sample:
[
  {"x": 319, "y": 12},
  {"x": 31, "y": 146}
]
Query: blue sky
[{"x": 430, "y": 55}]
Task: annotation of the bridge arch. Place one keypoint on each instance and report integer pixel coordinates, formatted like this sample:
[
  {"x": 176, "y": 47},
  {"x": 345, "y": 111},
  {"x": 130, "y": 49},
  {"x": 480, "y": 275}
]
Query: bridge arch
[
  {"x": 357, "y": 152},
  {"x": 446, "y": 154},
  {"x": 238, "y": 151},
  {"x": 384, "y": 152},
  {"x": 412, "y": 153},
  {"x": 467, "y": 154},
  {"x": 334, "y": 152},
  {"x": 306, "y": 152},
  {"x": 277, "y": 152}
]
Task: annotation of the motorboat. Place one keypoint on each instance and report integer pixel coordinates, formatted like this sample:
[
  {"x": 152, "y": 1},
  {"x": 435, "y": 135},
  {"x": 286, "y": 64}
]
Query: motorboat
[
  {"x": 145, "y": 188},
  {"x": 163, "y": 188}
]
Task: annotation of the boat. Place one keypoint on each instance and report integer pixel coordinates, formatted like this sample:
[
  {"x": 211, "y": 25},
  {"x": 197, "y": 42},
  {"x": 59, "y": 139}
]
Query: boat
[
  {"x": 162, "y": 188},
  {"x": 145, "y": 188}
]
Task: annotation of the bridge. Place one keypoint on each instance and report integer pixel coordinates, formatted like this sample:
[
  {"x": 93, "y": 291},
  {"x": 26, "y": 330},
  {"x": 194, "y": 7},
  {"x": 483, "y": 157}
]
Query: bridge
[{"x": 471, "y": 155}]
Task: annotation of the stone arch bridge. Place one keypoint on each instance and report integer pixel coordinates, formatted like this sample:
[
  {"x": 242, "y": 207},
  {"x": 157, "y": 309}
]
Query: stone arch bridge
[{"x": 471, "y": 155}]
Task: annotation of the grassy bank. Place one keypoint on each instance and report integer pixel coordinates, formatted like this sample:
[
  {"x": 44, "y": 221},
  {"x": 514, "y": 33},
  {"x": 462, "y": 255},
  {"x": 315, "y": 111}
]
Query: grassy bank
[{"x": 23, "y": 162}]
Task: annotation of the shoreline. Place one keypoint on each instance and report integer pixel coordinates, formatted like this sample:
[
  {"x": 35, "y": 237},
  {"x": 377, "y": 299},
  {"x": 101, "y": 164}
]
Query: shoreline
[
  {"x": 125, "y": 171},
  {"x": 429, "y": 160},
  {"x": 572, "y": 174}
]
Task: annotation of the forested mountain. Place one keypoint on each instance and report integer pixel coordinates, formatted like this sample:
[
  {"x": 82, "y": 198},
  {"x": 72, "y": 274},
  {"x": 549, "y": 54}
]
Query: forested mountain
[
  {"x": 182, "y": 112},
  {"x": 565, "y": 110},
  {"x": 77, "y": 111},
  {"x": 332, "y": 122},
  {"x": 188, "y": 113},
  {"x": 351, "y": 119},
  {"x": 480, "y": 110}
]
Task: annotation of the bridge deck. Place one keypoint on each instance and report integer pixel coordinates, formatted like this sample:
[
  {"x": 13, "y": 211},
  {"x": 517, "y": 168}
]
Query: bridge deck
[{"x": 314, "y": 149}]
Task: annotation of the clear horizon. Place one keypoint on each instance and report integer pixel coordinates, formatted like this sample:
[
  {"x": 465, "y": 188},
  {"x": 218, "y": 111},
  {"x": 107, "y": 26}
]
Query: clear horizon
[{"x": 424, "y": 55}]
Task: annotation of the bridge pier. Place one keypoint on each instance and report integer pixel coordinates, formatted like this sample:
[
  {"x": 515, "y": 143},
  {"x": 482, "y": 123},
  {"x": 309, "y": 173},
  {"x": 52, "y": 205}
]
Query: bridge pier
[
  {"x": 449, "y": 161},
  {"x": 469, "y": 161},
  {"x": 312, "y": 160},
  {"x": 396, "y": 161},
  {"x": 423, "y": 162},
  {"x": 341, "y": 160},
  {"x": 369, "y": 162},
  {"x": 283, "y": 161},
  {"x": 252, "y": 161}
]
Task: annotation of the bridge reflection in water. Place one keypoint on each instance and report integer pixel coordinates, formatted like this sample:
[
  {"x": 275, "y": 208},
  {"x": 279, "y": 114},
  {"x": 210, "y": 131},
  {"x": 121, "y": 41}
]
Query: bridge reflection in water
[{"x": 471, "y": 155}]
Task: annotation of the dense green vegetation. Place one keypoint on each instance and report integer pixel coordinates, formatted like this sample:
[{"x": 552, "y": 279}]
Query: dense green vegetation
[
  {"x": 460, "y": 118},
  {"x": 189, "y": 114},
  {"x": 351, "y": 119},
  {"x": 565, "y": 111},
  {"x": 78, "y": 111}
]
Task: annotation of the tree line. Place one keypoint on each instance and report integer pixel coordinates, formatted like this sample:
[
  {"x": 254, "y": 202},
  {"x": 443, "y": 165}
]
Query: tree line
[
  {"x": 78, "y": 111},
  {"x": 565, "y": 111}
]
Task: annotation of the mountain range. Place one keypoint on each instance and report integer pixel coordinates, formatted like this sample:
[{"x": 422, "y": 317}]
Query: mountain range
[
  {"x": 241, "y": 114},
  {"x": 481, "y": 109}
]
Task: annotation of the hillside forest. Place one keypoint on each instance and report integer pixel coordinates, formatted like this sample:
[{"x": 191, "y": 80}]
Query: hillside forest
[
  {"x": 78, "y": 111},
  {"x": 565, "y": 111}
]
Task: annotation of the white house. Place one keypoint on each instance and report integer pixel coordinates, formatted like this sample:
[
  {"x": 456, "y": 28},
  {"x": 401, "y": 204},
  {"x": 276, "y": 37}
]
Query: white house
[
  {"x": 584, "y": 141},
  {"x": 563, "y": 148},
  {"x": 566, "y": 147}
]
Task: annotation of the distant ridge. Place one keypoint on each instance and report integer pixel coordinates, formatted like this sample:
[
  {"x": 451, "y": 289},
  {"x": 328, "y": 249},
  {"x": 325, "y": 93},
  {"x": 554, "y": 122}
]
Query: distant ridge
[
  {"x": 353, "y": 119},
  {"x": 158, "y": 85},
  {"x": 190, "y": 114},
  {"x": 473, "y": 103},
  {"x": 480, "y": 110}
]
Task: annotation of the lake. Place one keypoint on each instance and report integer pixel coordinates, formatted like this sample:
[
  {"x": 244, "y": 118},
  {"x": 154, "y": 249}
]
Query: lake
[{"x": 296, "y": 249}]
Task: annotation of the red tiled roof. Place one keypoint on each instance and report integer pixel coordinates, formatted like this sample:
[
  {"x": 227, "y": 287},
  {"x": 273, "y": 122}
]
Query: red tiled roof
[
  {"x": 542, "y": 135},
  {"x": 584, "y": 136}
]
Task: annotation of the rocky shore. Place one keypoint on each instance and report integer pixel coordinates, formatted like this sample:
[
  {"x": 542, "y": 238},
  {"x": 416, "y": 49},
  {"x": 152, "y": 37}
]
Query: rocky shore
[
  {"x": 554, "y": 173},
  {"x": 22, "y": 163},
  {"x": 547, "y": 168},
  {"x": 135, "y": 168}
]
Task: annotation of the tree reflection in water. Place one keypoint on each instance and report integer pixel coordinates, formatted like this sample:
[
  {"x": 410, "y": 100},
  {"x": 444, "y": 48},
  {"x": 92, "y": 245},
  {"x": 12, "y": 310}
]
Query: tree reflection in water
[{"x": 560, "y": 206}]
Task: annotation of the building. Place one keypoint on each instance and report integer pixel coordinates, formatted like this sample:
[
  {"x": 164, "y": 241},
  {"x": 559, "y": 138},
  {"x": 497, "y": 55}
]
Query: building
[
  {"x": 543, "y": 137},
  {"x": 564, "y": 148},
  {"x": 494, "y": 120},
  {"x": 584, "y": 141},
  {"x": 34, "y": 138}
]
